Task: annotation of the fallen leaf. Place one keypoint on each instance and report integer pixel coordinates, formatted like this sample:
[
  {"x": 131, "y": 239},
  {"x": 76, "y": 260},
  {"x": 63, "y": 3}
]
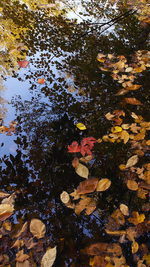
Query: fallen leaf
[
  {"x": 125, "y": 136},
  {"x": 132, "y": 185},
  {"x": 103, "y": 184},
  {"x": 86, "y": 159},
  {"x": 74, "y": 147},
  {"x": 81, "y": 126},
  {"x": 26, "y": 263},
  {"x": 132, "y": 233},
  {"x": 49, "y": 257},
  {"x": 23, "y": 229},
  {"x": 82, "y": 171},
  {"x": 124, "y": 209},
  {"x": 65, "y": 198},
  {"x": 82, "y": 205},
  {"x": 114, "y": 249},
  {"x": 23, "y": 63},
  {"x": 3, "y": 194},
  {"x": 21, "y": 257},
  {"x": 135, "y": 247},
  {"x": 97, "y": 261},
  {"x": 6, "y": 211},
  {"x": 133, "y": 101},
  {"x": 97, "y": 249},
  {"x": 116, "y": 129},
  {"x": 75, "y": 162},
  {"x": 41, "y": 81},
  {"x": 109, "y": 116},
  {"x": 132, "y": 161},
  {"x": 134, "y": 87},
  {"x": 136, "y": 218},
  {"x": 115, "y": 232},
  {"x": 37, "y": 228},
  {"x": 88, "y": 186}
]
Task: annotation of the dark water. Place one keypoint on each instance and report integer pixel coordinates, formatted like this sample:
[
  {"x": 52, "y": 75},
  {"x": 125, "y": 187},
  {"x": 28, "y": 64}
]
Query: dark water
[{"x": 35, "y": 161}]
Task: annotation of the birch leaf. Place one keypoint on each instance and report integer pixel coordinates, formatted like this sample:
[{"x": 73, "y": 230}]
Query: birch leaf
[{"x": 103, "y": 184}]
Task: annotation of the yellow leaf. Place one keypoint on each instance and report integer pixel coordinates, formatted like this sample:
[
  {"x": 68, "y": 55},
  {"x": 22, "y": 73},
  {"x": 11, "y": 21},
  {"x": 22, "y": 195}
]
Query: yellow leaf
[
  {"x": 49, "y": 257},
  {"x": 116, "y": 129},
  {"x": 125, "y": 136},
  {"x": 82, "y": 171},
  {"x": 103, "y": 184},
  {"x": 124, "y": 209},
  {"x": 132, "y": 185},
  {"x": 37, "y": 228},
  {"x": 148, "y": 143},
  {"x": 132, "y": 161},
  {"x": 81, "y": 126},
  {"x": 122, "y": 167},
  {"x": 135, "y": 247}
]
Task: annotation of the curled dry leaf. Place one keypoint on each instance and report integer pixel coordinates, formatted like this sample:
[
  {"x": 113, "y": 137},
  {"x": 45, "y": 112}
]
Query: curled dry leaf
[
  {"x": 88, "y": 186},
  {"x": 132, "y": 161},
  {"x": 132, "y": 185},
  {"x": 82, "y": 171},
  {"x": 65, "y": 198},
  {"x": 49, "y": 257},
  {"x": 37, "y": 228},
  {"x": 103, "y": 184},
  {"x": 124, "y": 209}
]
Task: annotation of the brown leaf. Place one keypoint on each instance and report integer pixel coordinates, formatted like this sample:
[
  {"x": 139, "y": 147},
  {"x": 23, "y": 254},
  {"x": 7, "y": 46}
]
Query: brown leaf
[
  {"x": 97, "y": 249},
  {"x": 103, "y": 184},
  {"x": 134, "y": 87},
  {"x": 82, "y": 171},
  {"x": 86, "y": 159},
  {"x": 114, "y": 249},
  {"x": 21, "y": 257},
  {"x": 132, "y": 185},
  {"x": 124, "y": 209},
  {"x": 75, "y": 162},
  {"x": 3, "y": 194},
  {"x": 26, "y": 263},
  {"x": 109, "y": 116},
  {"x": 132, "y": 161},
  {"x": 65, "y": 198},
  {"x": 29, "y": 243},
  {"x": 125, "y": 136},
  {"x": 18, "y": 244},
  {"x": 136, "y": 218},
  {"x": 144, "y": 185},
  {"x": 82, "y": 205},
  {"x": 88, "y": 186},
  {"x": 49, "y": 257},
  {"x": 23, "y": 229},
  {"x": 133, "y": 101},
  {"x": 119, "y": 217},
  {"x": 97, "y": 261},
  {"x": 132, "y": 233},
  {"x": 122, "y": 92},
  {"x": 37, "y": 228},
  {"x": 120, "y": 233}
]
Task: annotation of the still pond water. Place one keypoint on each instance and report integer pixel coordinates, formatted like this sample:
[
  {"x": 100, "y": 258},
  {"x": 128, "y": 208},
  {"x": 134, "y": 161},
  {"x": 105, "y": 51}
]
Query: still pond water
[{"x": 61, "y": 45}]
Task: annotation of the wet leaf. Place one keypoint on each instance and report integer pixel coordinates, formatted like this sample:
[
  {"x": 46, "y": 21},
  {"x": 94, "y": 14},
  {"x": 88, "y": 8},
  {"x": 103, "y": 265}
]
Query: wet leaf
[
  {"x": 115, "y": 232},
  {"x": 65, "y": 198},
  {"x": 125, "y": 136},
  {"x": 88, "y": 186},
  {"x": 37, "y": 228},
  {"x": 133, "y": 101},
  {"x": 21, "y": 257},
  {"x": 124, "y": 209},
  {"x": 97, "y": 249},
  {"x": 109, "y": 116},
  {"x": 116, "y": 129},
  {"x": 135, "y": 247},
  {"x": 49, "y": 257},
  {"x": 41, "y": 81},
  {"x": 82, "y": 170},
  {"x": 103, "y": 184},
  {"x": 23, "y": 64},
  {"x": 98, "y": 261},
  {"x": 26, "y": 263},
  {"x": 136, "y": 218},
  {"x": 7, "y": 226},
  {"x": 23, "y": 229},
  {"x": 132, "y": 185},
  {"x": 6, "y": 211},
  {"x": 134, "y": 87},
  {"x": 81, "y": 126},
  {"x": 86, "y": 159},
  {"x": 3, "y": 194},
  {"x": 119, "y": 217},
  {"x": 114, "y": 249},
  {"x": 132, "y": 233},
  {"x": 75, "y": 162},
  {"x": 74, "y": 147},
  {"x": 132, "y": 161},
  {"x": 83, "y": 203}
]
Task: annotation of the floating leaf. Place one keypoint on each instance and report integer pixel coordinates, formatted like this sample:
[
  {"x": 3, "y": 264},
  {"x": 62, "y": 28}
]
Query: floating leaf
[
  {"x": 103, "y": 184},
  {"x": 65, "y": 198},
  {"x": 23, "y": 229},
  {"x": 75, "y": 162},
  {"x": 41, "y": 81},
  {"x": 109, "y": 116},
  {"x": 133, "y": 101},
  {"x": 132, "y": 161},
  {"x": 83, "y": 203},
  {"x": 23, "y": 64},
  {"x": 125, "y": 136},
  {"x": 132, "y": 185},
  {"x": 37, "y": 228},
  {"x": 97, "y": 249},
  {"x": 3, "y": 194},
  {"x": 124, "y": 209},
  {"x": 88, "y": 186},
  {"x": 116, "y": 129},
  {"x": 6, "y": 211},
  {"x": 134, "y": 87},
  {"x": 81, "y": 126},
  {"x": 136, "y": 218},
  {"x": 97, "y": 261},
  {"x": 49, "y": 257},
  {"x": 74, "y": 147},
  {"x": 86, "y": 159},
  {"x": 82, "y": 171}
]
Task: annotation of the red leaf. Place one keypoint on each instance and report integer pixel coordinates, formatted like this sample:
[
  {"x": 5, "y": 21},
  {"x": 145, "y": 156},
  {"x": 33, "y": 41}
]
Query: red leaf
[
  {"x": 88, "y": 141},
  {"x": 87, "y": 186},
  {"x": 23, "y": 64},
  {"x": 74, "y": 147}
]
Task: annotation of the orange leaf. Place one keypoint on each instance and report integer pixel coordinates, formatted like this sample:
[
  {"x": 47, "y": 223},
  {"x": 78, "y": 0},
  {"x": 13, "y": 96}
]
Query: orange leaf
[
  {"x": 132, "y": 101},
  {"x": 41, "y": 81},
  {"x": 97, "y": 249},
  {"x": 134, "y": 87},
  {"x": 132, "y": 185}
]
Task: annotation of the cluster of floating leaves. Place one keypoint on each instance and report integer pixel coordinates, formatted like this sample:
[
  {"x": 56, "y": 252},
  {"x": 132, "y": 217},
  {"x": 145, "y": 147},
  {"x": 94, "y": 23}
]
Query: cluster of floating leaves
[{"x": 28, "y": 244}]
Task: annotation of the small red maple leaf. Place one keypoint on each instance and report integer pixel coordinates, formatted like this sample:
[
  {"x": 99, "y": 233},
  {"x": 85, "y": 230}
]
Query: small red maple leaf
[
  {"x": 74, "y": 147},
  {"x": 23, "y": 63}
]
